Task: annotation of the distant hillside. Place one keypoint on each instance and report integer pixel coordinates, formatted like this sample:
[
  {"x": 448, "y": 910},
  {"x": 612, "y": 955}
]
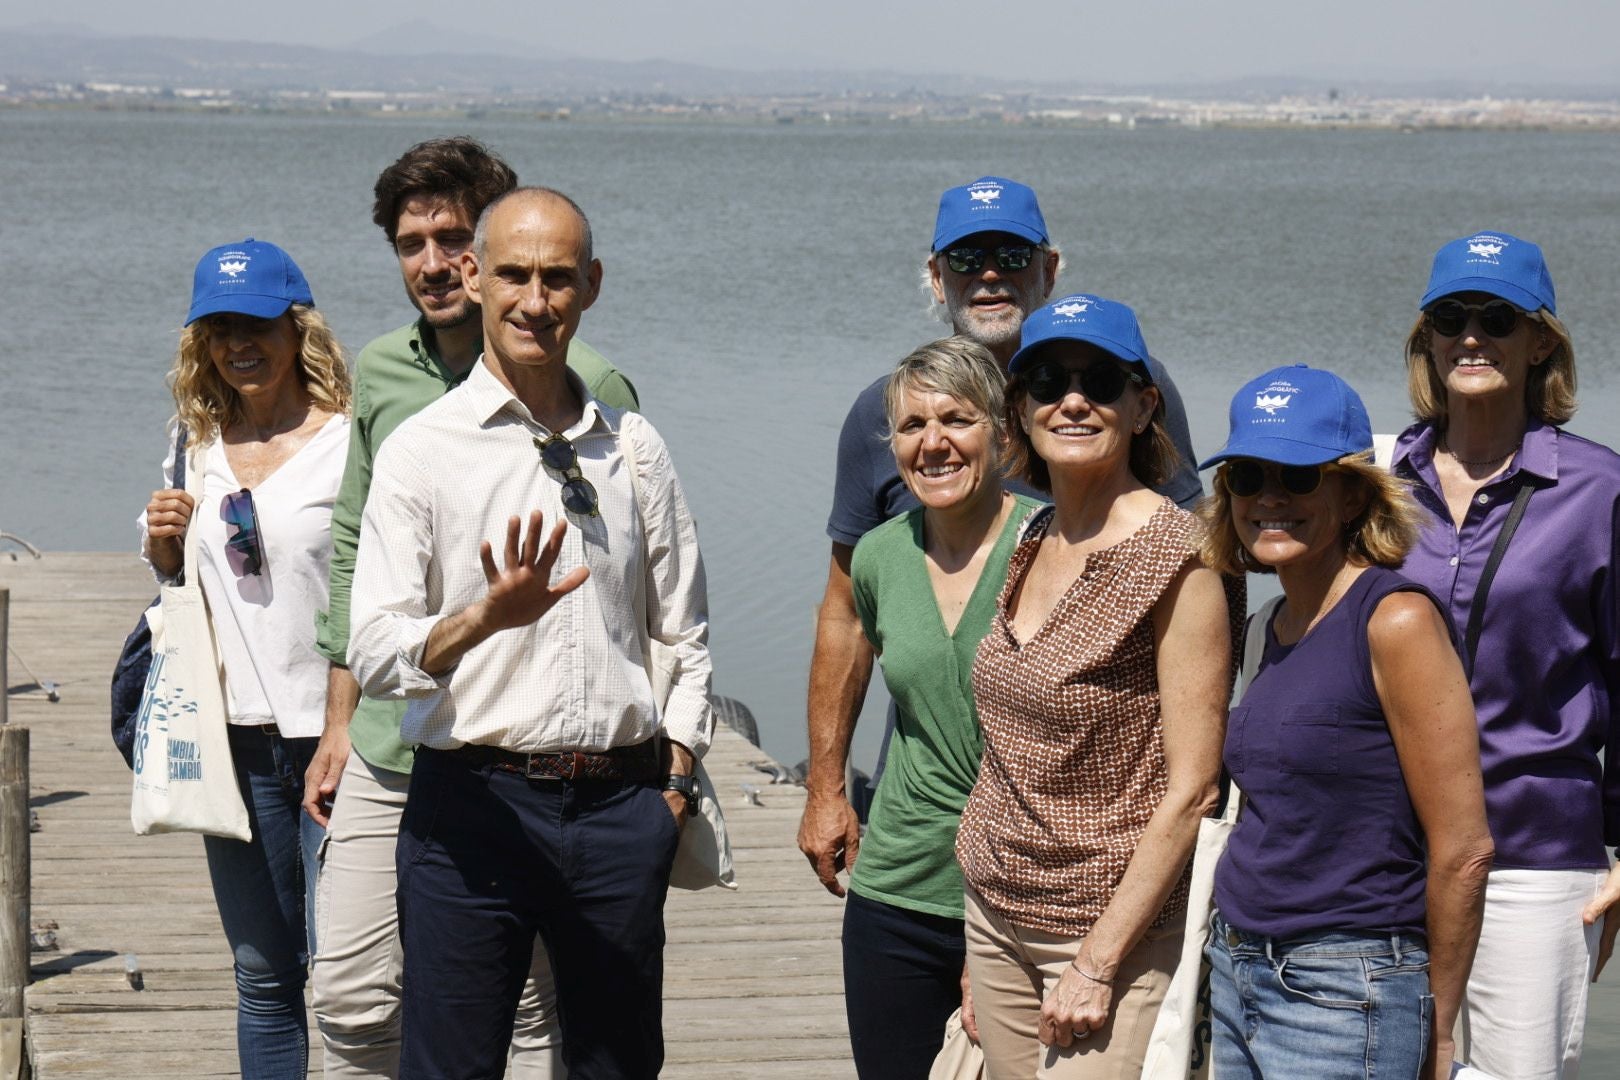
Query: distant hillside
[{"x": 448, "y": 62}]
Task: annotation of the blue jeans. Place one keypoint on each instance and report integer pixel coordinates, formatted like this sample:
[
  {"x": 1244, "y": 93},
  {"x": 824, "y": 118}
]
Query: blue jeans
[
  {"x": 1329, "y": 1006},
  {"x": 902, "y": 981},
  {"x": 264, "y": 889}
]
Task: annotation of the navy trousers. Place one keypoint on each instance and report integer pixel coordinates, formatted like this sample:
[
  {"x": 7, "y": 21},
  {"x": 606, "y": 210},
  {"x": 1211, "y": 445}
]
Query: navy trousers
[
  {"x": 902, "y": 981},
  {"x": 486, "y": 860}
]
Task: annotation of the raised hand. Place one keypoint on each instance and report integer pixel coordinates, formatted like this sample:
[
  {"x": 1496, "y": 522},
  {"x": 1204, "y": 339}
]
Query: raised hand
[{"x": 521, "y": 590}]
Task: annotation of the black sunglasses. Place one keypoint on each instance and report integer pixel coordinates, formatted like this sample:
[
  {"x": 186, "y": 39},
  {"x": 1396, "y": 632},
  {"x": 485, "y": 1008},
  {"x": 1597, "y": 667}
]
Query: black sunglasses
[
  {"x": 557, "y": 454},
  {"x": 966, "y": 260},
  {"x": 1102, "y": 383},
  {"x": 242, "y": 549},
  {"x": 1497, "y": 318},
  {"x": 1245, "y": 477}
]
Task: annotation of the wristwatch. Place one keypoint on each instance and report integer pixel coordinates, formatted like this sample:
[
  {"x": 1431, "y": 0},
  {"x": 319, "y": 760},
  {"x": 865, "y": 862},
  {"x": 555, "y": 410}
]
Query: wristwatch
[{"x": 689, "y": 786}]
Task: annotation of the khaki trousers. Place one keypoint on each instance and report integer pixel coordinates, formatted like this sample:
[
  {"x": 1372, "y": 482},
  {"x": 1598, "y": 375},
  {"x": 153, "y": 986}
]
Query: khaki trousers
[
  {"x": 358, "y": 961},
  {"x": 1012, "y": 969}
]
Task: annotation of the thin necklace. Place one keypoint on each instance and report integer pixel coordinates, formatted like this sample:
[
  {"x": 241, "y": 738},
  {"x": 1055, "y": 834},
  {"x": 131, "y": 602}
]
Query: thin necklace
[{"x": 1459, "y": 459}]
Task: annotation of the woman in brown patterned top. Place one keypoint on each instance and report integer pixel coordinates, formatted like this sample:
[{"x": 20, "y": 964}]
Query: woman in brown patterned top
[{"x": 1102, "y": 689}]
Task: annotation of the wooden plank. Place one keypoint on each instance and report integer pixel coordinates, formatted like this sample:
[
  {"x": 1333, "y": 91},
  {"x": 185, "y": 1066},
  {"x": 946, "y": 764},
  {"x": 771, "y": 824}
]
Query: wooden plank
[{"x": 760, "y": 992}]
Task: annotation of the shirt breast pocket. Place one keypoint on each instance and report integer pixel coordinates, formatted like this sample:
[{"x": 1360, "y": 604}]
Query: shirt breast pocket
[{"x": 1308, "y": 740}]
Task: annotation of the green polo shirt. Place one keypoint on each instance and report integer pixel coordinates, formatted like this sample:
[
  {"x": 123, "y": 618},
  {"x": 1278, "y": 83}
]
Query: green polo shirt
[{"x": 395, "y": 377}]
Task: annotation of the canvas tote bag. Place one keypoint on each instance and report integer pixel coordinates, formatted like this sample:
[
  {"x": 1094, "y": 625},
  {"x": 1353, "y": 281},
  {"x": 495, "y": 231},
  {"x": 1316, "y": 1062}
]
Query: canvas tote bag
[
  {"x": 184, "y": 778},
  {"x": 704, "y": 855},
  {"x": 1180, "y": 1046}
]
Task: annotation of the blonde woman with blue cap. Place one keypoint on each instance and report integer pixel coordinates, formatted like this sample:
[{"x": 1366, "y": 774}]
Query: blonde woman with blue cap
[
  {"x": 263, "y": 398},
  {"x": 1348, "y": 899},
  {"x": 1521, "y": 535}
]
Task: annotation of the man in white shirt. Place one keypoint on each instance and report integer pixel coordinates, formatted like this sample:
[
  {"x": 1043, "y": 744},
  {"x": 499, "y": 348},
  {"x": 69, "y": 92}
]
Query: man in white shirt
[{"x": 549, "y": 787}]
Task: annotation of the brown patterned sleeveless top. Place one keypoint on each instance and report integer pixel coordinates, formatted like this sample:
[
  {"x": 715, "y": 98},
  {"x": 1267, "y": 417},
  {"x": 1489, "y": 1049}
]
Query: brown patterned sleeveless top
[{"x": 1073, "y": 746}]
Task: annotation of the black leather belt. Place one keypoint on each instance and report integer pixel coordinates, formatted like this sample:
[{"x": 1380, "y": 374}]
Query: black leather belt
[{"x": 638, "y": 762}]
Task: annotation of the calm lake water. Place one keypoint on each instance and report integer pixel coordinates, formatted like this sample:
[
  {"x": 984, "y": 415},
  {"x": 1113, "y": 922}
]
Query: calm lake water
[{"x": 756, "y": 278}]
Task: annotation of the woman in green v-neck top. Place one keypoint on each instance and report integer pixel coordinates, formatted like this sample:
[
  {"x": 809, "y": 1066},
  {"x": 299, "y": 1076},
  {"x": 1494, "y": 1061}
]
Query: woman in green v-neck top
[{"x": 925, "y": 586}]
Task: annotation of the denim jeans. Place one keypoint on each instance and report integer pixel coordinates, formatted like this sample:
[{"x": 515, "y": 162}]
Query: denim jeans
[
  {"x": 902, "y": 981},
  {"x": 1331, "y": 1006},
  {"x": 264, "y": 887}
]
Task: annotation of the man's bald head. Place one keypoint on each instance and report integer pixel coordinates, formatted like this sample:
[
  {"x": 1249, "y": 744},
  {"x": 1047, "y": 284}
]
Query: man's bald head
[{"x": 526, "y": 196}]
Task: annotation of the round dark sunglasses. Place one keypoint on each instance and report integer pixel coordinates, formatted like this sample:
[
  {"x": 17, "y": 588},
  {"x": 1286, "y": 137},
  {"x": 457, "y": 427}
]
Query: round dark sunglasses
[
  {"x": 557, "y": 454},
  {"x": 1498, "y": 318},
  {"x": 1245, "y": 477},
  {"x": 966, "y": 260},
  {"x": 1102, "y": 384}
]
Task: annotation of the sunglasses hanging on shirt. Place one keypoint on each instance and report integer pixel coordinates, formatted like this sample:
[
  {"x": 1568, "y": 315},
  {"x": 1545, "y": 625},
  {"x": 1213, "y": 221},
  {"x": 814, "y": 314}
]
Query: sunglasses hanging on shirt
[{"x": 558, "y": 455}]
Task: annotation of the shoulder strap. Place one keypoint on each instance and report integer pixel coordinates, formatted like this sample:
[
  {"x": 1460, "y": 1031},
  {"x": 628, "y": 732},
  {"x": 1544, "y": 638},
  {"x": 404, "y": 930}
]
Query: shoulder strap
[
  {"x": 1254, "y": 640},
  {"x": 1476, "y": 613},
  {"x": 180, "y": 457},
  {"x": 627, "y": 449}
]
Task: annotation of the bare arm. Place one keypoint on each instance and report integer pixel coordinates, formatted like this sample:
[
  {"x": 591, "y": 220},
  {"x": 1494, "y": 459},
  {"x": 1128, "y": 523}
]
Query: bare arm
[
  {"x": 1194, "y": 653},
  {"x": 168, "y": 515},
  {"x": 840, "y": 669},
  {"x": 1430, "y": 713}
]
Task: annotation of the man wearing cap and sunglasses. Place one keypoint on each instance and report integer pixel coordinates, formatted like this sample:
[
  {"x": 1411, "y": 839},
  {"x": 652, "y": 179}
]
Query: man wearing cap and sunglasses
[
  {"x": 990, "y": 265},
  {"x": 549, "y": 788},
  {"x": 427, "y": 203}
]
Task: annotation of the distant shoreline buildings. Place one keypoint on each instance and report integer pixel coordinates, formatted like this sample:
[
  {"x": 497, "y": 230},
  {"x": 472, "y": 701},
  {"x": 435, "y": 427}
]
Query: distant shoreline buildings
[{"x": 1332, "y": 110}]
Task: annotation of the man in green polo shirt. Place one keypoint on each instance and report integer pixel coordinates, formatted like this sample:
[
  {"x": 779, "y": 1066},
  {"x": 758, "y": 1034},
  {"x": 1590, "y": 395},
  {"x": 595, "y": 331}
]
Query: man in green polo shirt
[{"x": 427, "y": 203}]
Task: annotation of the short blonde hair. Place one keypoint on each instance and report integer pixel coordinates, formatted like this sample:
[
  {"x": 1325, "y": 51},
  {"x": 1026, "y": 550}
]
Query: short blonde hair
[
  {"x": 1381, "y": 534},
  {"x": 1153, "y": 458},
  {"x": 207, "y": 404},
  {"x": 958, "y": 367},
  {"x": 1549, "y": 395}
]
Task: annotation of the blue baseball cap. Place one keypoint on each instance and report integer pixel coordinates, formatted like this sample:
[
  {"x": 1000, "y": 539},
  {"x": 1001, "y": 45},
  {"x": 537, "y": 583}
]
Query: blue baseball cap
[
  {"x": 1493, "y": 263},
  {"x": 1296, "y": 416},
  {"x": 989, "y": 204},
  {"x": 1107, "y": 324},
  {"x": 253, "y": 277}
]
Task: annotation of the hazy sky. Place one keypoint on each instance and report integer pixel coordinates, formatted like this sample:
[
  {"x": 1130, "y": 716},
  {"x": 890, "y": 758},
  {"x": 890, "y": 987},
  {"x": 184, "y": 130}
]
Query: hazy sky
[{"x": 1491, "y": 41}]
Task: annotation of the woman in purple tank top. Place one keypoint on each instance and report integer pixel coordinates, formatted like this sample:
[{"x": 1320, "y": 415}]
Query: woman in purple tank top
[{"x": 1348, "y": 900}]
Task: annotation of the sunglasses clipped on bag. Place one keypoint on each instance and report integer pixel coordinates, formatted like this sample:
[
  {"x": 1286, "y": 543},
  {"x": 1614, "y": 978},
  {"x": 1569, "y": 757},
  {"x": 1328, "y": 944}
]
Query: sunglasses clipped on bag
[
  {"x": 1245, "y": 477},
  {"x": 1010, "y": 257},
  {"x": 558, "y": 455},
  {"x": 1102, "y": 383},
  {"x": 1498, "y": 318},
  {"x": 242, "y": 547}
]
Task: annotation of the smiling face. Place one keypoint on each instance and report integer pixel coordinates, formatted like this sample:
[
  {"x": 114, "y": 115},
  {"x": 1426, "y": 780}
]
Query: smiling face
[
  {"x": 1076, "y": 433},
  {"x": 989, "y": 305},
  {"x": 534, "y": 280},
  {"x": 258, "y": 358},
  {"x": 1472, "y": 364},
  {"x": 429, "y": 240},
  {"x": 1282, "y": 529},
  {"x": 945, "y": 447}
]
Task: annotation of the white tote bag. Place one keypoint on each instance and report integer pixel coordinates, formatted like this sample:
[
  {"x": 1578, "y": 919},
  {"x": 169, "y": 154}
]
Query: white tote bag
[
  {"x": 1180, "y": 1046},
  {"x": 704, "y": 855},
  {"x": 184, "y": 778}
]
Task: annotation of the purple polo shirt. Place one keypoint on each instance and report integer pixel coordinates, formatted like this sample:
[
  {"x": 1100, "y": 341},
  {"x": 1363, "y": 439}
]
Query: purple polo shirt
[{"x": 1548, "y": 666}]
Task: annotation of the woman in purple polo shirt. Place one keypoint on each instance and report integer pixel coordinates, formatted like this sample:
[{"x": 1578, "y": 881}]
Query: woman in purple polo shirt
[
  {"x": 1348, "y": 900},
  {"x": 1492, "y": 373}
]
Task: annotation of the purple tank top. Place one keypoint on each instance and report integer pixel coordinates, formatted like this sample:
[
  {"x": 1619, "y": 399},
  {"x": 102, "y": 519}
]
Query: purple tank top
[{"x": 1327, "y": 839}]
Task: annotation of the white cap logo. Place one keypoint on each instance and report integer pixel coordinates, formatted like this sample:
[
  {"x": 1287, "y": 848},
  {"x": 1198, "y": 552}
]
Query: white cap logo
[
  {"x": 1272, "y": 402},
  {"x": 232, "y": 267},
  {"x": 1486, "y": 247},
  {"x": 986, "y": 195},
  {"x": 1071, "y": 308}
]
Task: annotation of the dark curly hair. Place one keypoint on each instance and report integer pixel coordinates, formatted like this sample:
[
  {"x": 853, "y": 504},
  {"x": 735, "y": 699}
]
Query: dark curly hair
[{"x": 458, "y": 169}]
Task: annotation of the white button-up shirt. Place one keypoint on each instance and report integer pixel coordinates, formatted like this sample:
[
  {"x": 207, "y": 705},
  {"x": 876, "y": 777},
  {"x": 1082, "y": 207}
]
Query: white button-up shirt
[{"x": 448, "y": 479}]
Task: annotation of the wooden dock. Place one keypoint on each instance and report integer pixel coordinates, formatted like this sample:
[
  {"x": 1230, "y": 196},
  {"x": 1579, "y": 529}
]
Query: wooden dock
[{"x": 753, "y": 986}]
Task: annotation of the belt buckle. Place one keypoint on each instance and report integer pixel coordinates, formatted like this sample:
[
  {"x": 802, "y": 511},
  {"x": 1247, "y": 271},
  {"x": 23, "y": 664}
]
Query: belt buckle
[{"x": 534, "y": 769}]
